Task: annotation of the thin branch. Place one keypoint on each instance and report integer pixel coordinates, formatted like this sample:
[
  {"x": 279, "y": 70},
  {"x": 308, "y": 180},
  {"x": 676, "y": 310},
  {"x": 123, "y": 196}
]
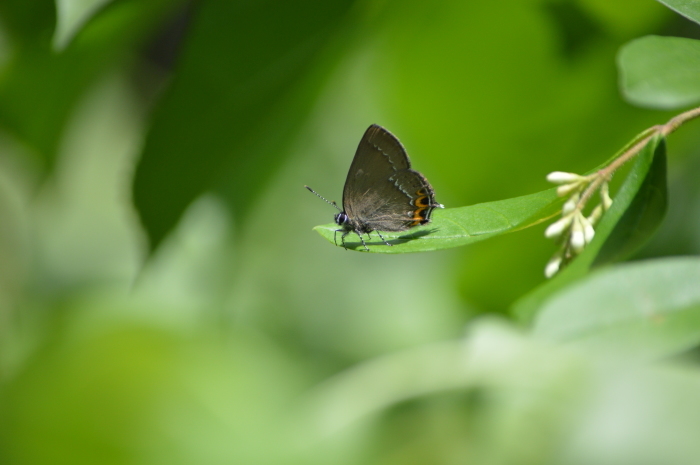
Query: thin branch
[{"x": 635, "y": 147}]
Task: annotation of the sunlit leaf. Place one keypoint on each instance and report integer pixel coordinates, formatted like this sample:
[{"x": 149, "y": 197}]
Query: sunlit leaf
[
  {"x": 454, "y": 227},
  {"x": 650, "y": 309},
  {"x": 688, "y": 8},
  {"x": 637, "y": 209},
  {"x": 660, "y": 72}
]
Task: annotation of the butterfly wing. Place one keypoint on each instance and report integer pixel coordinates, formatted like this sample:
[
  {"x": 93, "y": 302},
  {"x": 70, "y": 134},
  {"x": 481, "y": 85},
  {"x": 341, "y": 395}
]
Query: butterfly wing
[{"x": 381, "y": 191}]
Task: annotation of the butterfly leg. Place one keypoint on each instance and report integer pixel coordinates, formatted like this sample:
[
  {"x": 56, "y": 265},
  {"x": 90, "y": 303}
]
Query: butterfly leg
[
  {"x": 342, "y": 237},
  {"x": 362, "y": 239},
  {"x": 369, "y": 236},
  {"x": 382, "y": 237}
]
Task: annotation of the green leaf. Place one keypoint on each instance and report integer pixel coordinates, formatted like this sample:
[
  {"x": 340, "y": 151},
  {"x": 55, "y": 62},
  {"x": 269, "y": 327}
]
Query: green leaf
[
  {"x": 248, "y": 75},
  {"x": 650, "y": 309},
  {"x": 454, "y": 227},
  {"x": 688, "y": 8},
  {"x": 637, "y": 209},
  {"x": 642, "y": 217},
  {"x": 660, "y": 72},
  {"x": 71, "y": 17}
]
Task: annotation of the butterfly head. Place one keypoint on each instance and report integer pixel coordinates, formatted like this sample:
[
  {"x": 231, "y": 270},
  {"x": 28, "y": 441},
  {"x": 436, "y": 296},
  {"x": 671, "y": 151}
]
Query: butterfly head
[{"x": 342, "y": 219}]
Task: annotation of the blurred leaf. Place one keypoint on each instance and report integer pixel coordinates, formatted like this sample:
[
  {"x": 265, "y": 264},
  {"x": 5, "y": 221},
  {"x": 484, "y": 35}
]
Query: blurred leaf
[
  {"x": 27, "y": 21},
  {"x": 660, "y": 72},
  {"x": 688, "y": 8},
  {"x": 39, "y": 88},
  {"x": 628, "y": 18},
  {"x": 638, "y": 415},
  {"x": 454, "y": 227},
  {"x": 617, "y": 224},
  {"x": 71, "y": 16},
  {"x": 577, "y": 28},
  {"x": 116, "y": 394},
  {"x": 650, "y": 309},
  {"x": 517, "y": 376},
  {"x": 249, "y": 74},
  {"x": 82, "y": 395},
  {"x": 588, "y": 409}
]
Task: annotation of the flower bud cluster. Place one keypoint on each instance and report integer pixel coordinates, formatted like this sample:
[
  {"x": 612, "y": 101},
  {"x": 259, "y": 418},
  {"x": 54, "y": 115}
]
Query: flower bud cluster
[{"x": 574, "y": 230}]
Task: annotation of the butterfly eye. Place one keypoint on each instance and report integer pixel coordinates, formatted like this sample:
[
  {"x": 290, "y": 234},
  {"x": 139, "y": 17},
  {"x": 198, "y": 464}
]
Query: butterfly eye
[{"x": 341, "y": 218}]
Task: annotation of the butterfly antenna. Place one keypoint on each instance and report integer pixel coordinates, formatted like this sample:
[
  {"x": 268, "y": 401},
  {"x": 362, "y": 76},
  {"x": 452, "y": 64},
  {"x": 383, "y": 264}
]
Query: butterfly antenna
[{"x": 323, "y": 198}]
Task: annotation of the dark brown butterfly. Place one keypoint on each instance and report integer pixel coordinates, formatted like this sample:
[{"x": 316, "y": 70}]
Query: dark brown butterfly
[{"x": 382, "y": 192}]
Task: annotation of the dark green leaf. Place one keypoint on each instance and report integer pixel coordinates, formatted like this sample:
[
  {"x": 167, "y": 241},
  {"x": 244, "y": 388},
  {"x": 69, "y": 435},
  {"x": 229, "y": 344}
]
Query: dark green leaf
[
  {"x": 249, "y": 73},
  {"x": 643, "y": 182},
  {"x": 642, "y": 217},
  {"x": 660, "y": 72},
  {"x": 649, "y": 309},
  {"x": 40, "y": 87}
]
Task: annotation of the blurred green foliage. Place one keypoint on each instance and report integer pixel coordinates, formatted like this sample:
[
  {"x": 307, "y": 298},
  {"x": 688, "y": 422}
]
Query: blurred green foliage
[
  {"x": 163, "y": 298},
  {"x": 659, "y": 71}
]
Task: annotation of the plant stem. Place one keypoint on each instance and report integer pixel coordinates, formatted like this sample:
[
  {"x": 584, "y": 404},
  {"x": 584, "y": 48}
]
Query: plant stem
[
  {"x": 677, "y": 121},
  {"x": 634, "y": 149}
]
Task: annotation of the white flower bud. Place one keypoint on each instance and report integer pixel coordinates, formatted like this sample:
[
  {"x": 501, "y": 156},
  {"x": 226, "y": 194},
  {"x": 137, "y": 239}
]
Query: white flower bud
[
  {"x": 595, "y": 215},
  {"x": 588, "y": 231},
  {"x": 570, "y": 204},
  {"x": 560, "y": 177},
  {"x": 555, "y": 229},
  {"x": 552, "y": 266},
  {"x": 578, "y": 239},
  {"x": 566, "y": 189}
]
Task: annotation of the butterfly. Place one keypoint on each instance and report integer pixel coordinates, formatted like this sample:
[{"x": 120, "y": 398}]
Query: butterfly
[{"x": 382, "y": 192}]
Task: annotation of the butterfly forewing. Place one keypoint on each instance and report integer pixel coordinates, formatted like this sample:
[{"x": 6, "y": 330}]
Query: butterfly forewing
[
  {"x": 378, "y": 157},
  {"x": 381, "y": 191}
]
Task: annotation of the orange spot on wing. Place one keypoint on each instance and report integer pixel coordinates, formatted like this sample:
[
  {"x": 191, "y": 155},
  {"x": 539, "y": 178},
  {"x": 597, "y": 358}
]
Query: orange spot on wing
[{"x": 419, "y": 216}]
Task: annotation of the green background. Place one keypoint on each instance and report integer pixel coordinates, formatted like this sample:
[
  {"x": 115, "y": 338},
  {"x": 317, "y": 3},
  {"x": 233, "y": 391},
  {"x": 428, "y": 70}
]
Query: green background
[{"x": 163, "y": 297}]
